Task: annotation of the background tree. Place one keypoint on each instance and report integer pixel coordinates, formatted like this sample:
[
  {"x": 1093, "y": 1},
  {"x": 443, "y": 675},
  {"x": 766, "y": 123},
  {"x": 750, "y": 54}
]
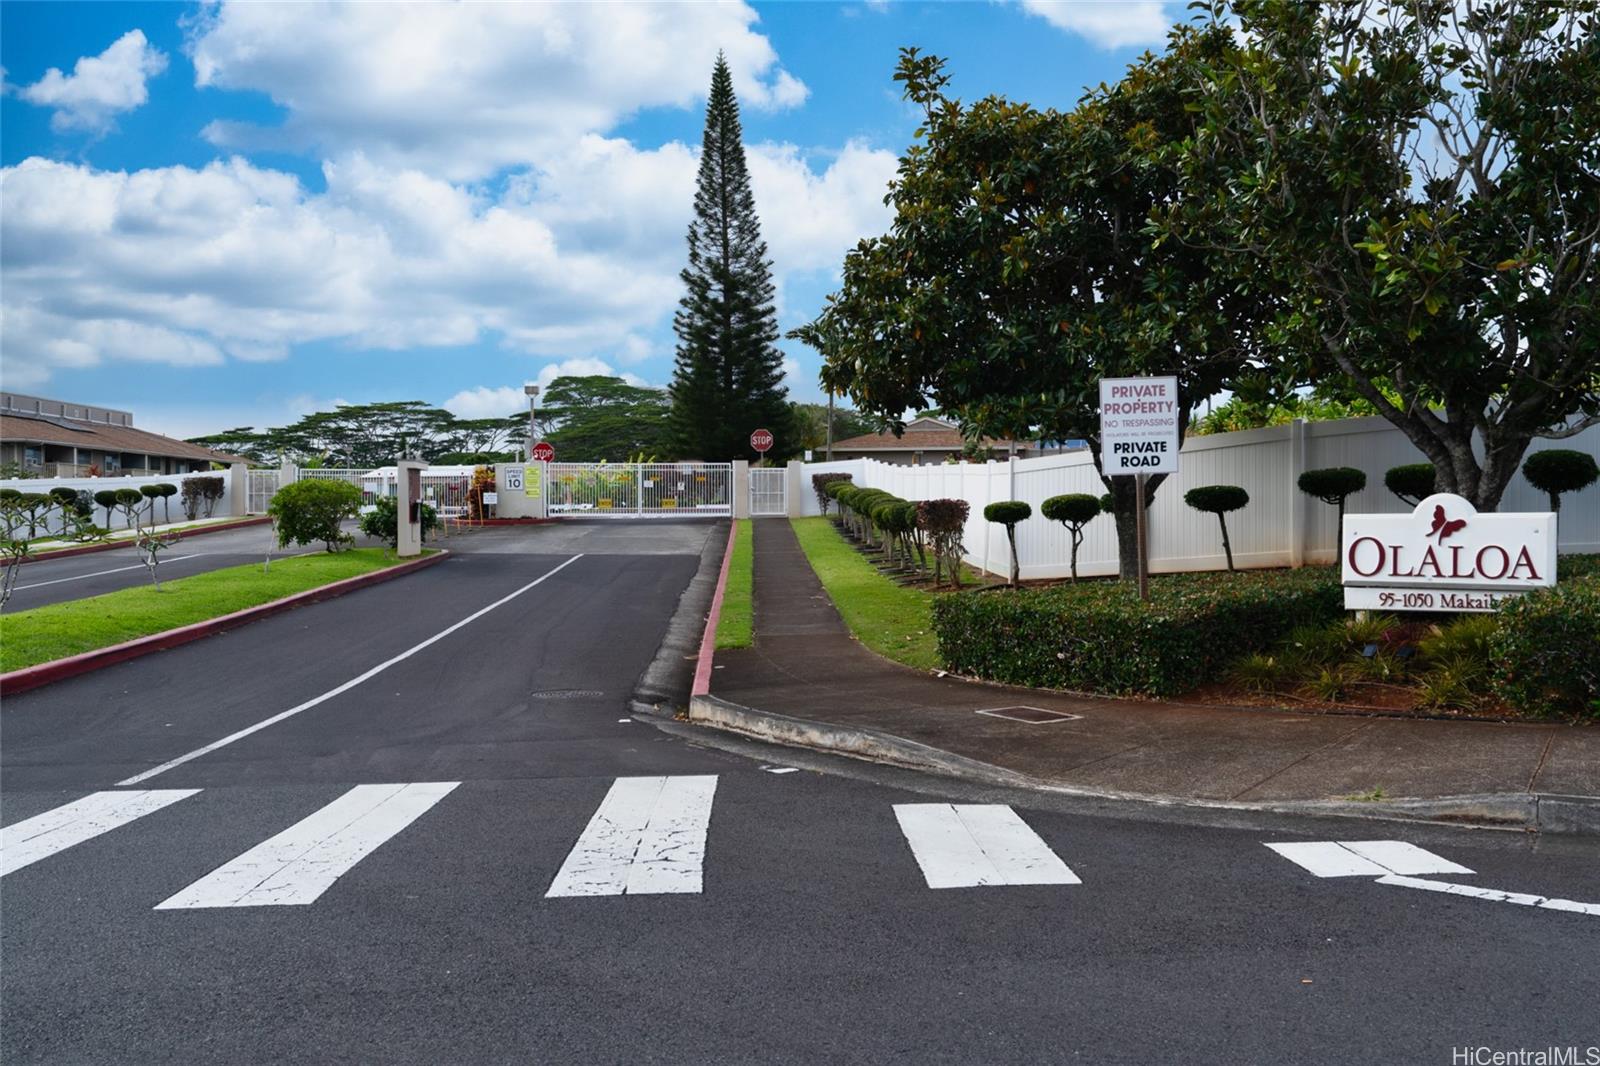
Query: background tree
[
  {"x": 728, "y": 379},
  {"x": 1413, "y": 189},
  {"x": 1019, "y": 272},
  {"x": 596, "y": 417},
  {"x": 1559, "y": 470}
]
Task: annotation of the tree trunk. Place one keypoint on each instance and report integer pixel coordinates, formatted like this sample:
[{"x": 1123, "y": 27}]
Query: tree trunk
[
  {"x": 1077, "y": 539},
  {"x": 1227, "y": 548},
  {"x": 1123, "y": 492},
  {"x": 1011, "y": 538}
]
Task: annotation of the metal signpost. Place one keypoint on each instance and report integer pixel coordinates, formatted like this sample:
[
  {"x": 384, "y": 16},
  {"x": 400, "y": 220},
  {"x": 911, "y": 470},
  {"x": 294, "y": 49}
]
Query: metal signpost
[{"x": 1139, "y": 436}]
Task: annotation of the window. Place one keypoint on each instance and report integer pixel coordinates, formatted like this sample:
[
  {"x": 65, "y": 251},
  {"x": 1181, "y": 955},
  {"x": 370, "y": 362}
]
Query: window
[
  {"x": 113, "y": 462},
  {"x": 32, "y": 456}
]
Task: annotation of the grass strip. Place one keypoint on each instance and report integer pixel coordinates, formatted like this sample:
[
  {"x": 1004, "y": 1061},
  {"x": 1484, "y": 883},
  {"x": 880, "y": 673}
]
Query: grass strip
[
  {"x": 894, "y": 621},
  {"x": 58, "y": 630},
  {"x": 736, "y": 627}
]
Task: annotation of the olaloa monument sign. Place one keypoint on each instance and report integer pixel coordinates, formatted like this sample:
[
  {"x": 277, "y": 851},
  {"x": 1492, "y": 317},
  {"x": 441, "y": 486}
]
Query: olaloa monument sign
[{"x": 1445, "y": 556}]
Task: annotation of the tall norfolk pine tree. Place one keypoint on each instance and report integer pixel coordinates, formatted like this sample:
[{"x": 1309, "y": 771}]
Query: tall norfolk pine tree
[{"x": 729, "y": 373}]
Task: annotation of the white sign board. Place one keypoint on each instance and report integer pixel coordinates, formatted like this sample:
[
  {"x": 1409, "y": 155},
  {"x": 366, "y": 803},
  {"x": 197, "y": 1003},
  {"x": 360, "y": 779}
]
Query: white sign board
[
  {"x": 513, "y": 479},
  {"x": 1139, "y": 426},
  {"x": 1444, "y": 556},
  {"x": 491, "y": 498}
]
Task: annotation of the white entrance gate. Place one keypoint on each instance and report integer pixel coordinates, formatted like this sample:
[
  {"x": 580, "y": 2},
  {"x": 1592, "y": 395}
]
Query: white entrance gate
[
  {"x": 639, "y": 490},
  {"x": 262, "y": 485},
  {"x": 768, "y": 491}
]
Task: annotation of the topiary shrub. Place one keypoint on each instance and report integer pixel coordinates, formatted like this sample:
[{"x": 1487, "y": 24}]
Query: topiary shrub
[
  {"x": 1219, "y": 500},
  {"x": 152, "y": 493},
  {"x": 1073, "y": 510},
  {"x": 129, "y": 502},
  {"x": 819, "y": 485},
  {"x": 1008, "y": 513},
  {"x": 1543, "y": 658},
  {"x": 107, "y": 498},
  {"x": 1108, "y": 503},
  {"x": 942, "y": 522},
  {"x": 383, "y": 521},
  {"x": 1412, "y": 482},
  {"x": 313, "y": 510},
  {"x": 166, "y": 490},
  {"x": 1560, "y": 470},
  {"x": 1333, "y": 485}
]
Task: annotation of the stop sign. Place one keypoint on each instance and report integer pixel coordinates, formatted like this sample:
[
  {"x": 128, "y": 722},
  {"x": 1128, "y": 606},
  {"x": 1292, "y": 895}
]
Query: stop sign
[
  {"x": 761, "y": 440},
  {"x": 543, "y": 452}
]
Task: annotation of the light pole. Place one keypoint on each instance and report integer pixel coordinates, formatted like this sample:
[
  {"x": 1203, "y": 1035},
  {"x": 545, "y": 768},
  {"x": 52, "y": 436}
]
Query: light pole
[{"x": 532, "y": 392}]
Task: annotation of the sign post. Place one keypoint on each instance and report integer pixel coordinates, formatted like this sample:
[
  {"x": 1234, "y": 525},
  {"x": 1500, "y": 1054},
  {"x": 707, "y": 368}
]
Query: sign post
[
  {"x": 1139, "y": 436},
  {"x": 761, "y": 441}
]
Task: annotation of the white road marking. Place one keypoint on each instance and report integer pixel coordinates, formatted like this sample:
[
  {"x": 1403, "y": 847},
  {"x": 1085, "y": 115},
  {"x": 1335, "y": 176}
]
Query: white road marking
[
  {"x": 781, "y": 769},
  {"x": 41, "y": 836},
  {"x": 303, "y": 861},
  {"x": 647, "y": 836},
  {"x": 1365, "y": 858},
  {"x": 965, "y": 845},
  {"x": 102, "y": 573},
  {"x": 347, "y": 686},
  {"x": 1521, "y": 898}
]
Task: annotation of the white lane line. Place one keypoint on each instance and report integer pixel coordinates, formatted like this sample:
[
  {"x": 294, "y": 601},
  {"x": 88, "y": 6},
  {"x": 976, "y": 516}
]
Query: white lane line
[
  {"x": 647, "y": 836},
  {"x": 41, "y": 836},
  {"x": 102, "y": 573},
  {"x": 303, "y": 861},
  {"x": 347, "y": 686},
  {"x": 967, "y": 845},
  {"x": 1365, "y": 858},
  {"x": 1521, "y": 898}
]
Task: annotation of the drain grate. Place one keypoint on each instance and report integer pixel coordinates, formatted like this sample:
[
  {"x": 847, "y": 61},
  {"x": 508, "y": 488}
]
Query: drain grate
[
  {"x": 566, "y": 694},
  {"x": 1030, "y": 715}
]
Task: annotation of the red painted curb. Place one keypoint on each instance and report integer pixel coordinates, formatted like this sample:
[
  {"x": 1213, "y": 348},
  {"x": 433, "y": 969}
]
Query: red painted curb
[
  {"x": 91, "y": 549},
  {"x": 708, "y": 639},
  {"x": 30, "y": 677}
]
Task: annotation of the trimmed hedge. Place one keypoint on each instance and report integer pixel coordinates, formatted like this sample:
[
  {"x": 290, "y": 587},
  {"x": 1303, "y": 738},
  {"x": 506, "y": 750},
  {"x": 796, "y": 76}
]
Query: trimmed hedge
[
  {"x": 1098, "y": 637},
  {"x": 1545, "y": 656},
  {"x": 1560, "y": 470},
  {"x": 819, "y": 485},
  {"x": 1413, "y": 482}
]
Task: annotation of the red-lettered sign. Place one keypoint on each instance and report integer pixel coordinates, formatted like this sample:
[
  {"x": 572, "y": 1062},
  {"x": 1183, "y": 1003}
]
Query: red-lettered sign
[
  {"x": 761, "y": 440},
  {"x": 543, "y": 452}
]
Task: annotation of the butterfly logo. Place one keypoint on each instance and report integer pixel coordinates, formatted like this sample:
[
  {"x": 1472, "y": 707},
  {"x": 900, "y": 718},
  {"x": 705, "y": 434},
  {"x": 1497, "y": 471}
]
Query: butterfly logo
[{"x": 1445, "y": 527}]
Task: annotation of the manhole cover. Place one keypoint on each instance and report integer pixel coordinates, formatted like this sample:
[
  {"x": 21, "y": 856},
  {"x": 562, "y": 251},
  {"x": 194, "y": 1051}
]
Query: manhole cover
[
  {"x": 566, "y": 694},
  {"x": 1030, "y": 715}
]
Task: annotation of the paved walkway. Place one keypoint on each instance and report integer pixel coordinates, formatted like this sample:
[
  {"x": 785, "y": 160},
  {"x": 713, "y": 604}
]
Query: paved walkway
[{"x": 805, "y": 664}]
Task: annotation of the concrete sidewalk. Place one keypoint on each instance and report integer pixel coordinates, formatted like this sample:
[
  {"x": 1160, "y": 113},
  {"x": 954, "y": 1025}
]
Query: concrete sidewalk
[{"x": 806, "y": 666}]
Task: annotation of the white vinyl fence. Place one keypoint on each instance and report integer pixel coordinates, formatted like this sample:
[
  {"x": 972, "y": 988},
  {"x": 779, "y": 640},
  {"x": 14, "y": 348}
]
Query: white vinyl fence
[
  {"x": 1282, "y": 526},
  {"x": 221, "y": 508}
]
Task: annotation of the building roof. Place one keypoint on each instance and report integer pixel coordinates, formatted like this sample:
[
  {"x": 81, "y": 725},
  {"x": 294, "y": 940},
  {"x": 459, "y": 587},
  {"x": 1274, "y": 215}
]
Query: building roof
[
  {"x": 101, "y": 437},
  {"x": 916, "y": 438}
]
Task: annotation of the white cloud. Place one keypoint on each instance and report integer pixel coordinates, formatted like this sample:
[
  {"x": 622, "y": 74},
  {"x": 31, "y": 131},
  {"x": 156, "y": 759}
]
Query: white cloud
[
  {"x": 1108, "y": 23},
  {"x": 464, "y": 90},
  {"x": 486, "y": 402},
  {"x": 99, "y": 87},
  {"x": 810, "y": 220}
]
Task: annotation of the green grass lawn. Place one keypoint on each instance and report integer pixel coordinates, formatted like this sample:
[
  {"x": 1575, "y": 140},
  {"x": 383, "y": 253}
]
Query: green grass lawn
[
  {"x": 893, "y": 621},
  {"x": 735, "y": 629},
  {"x": 62, "y": 629}
]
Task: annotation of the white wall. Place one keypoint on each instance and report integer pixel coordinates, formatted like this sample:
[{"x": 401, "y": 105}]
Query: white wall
[
  {"x": 1282, "y": 526},
  {"x": 91, "y": 485}
]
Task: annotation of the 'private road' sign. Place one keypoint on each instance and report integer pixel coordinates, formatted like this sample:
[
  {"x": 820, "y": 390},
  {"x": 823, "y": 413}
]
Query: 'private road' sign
[
  {"x": 1138, "y": 426},
  {"x": 1444, "y": 556}
]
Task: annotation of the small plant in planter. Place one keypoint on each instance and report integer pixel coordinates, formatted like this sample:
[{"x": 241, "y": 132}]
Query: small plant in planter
[
  {"x": 1411, "y": 482},
  {"x": 1074, "y": 510},
  {"x": 1560, "y": 470},
  {"x": 1333, "y": 485},
  {"x": 1008, "y": 513},
  {"x": 1219, "y": 500}
]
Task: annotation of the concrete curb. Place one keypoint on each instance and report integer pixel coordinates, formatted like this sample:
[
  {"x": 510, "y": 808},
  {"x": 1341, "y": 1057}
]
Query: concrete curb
[
  {"x": 31, "y": 677},
  {"x": 708, "y": 639},
  {"x": 665, "y": 683},
  {"x": 1528, "y": 812},
  {"x": 128, "y": 542}
]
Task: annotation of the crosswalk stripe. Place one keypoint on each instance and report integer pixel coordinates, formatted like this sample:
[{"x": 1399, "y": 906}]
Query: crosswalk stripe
[
  {"x": 1365, "y": 858},
  {"x": 43, "y": 835},
  {"x": 1523, "y": 898},
  {"x": 967, "y": 845},
  {"x": 647, "y": 836},
  {"x": 303, "y": 861}
]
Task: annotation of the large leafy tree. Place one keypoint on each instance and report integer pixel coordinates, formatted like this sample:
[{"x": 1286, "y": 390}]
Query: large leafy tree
[
  {"x": 374, "y": 434},
  {"x": 1414, "y": 189},
  {"x": 1019, "y": 270},
  {"x": 729, "y": 374},
  {"x": 591, "y": 418}
]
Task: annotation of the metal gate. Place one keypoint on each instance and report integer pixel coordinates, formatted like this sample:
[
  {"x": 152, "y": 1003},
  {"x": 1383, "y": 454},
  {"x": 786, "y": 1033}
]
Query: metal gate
[
  {"x": 768, "y": 491},
  {"x": 638, "y": 490},
  {"x": 262, "y": 486}
]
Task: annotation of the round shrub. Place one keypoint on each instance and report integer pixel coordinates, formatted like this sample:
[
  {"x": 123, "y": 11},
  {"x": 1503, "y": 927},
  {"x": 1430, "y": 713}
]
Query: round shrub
[
  {"x": 942, "y": 516},
  {"x": 106, "y": 498},
  {"x": 10, "y": 495},
  {"x": 1560, "y": 470},
  {"x": 1108, "y": 503},
  {"x": 64, "y": 496},
  {"x": 820, "y": 484},
  {"x": 1075, "y": 508},
  {"x": 1216, "y": 499},
  {"x": 1411, "y": 482},
  {"x": 128, "y": 497},
  {"x": 1543, "y": 658},
  {"x": 1333, "y": 484},
  {"x": 1008, "y": 512},
  {"x": 312, "y": 510}
]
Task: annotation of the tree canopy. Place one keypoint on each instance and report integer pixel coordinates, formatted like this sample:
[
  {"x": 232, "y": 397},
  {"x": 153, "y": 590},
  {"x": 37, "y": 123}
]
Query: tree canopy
[
  {"x": 375, "y": 434},
  {"x": 587, "y": 419}
]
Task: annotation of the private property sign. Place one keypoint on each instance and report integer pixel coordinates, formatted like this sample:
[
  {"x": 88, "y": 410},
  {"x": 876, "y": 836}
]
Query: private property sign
[
  {"x": 1444, "y": 556},
  {"x": 1139, "y": 426}
]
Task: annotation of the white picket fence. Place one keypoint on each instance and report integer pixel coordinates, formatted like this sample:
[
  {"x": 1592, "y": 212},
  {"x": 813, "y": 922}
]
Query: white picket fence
[
  {"x": 1282, "y": 526},
  {"x": 92, "y": 485}
]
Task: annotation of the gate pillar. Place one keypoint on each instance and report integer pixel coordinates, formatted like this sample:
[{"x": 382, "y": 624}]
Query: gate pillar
[
  {"x": 741, "y": 488},
  {"x": 408, "y": 478}
]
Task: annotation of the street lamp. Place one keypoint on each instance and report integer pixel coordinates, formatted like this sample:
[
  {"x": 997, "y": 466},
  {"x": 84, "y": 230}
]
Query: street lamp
[{"x": 532, "y": 392}]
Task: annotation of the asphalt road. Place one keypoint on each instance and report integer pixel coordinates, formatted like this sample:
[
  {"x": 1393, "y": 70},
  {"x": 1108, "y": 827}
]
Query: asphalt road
[{"x": 772, "y": 917}]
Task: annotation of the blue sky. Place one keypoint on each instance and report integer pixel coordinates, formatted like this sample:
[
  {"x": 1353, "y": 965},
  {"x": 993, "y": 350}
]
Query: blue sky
[{"x": 220, "y": 215}]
